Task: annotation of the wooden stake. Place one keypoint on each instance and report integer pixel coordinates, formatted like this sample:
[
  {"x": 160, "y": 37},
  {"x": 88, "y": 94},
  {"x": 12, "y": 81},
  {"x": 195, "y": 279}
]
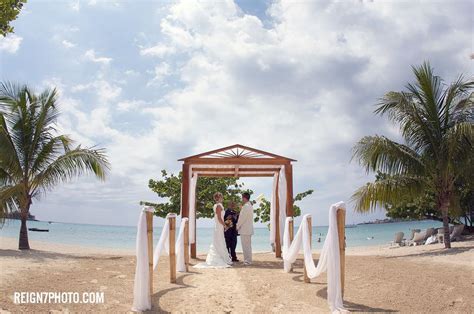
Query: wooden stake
[
  {"x": 172, "y": 239},
  {"x": 149, "y": 233},
  {"x": 310, "y": 229},
  {"x": 186, "y": 245},
  {"x": 341, "y": 230}
]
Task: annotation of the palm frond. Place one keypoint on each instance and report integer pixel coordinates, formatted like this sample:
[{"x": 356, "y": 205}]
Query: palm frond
[
  {"x": 378, "y": 153},
  {"x": 71, "y": 164},
  {"x": 389, "y": 190}
]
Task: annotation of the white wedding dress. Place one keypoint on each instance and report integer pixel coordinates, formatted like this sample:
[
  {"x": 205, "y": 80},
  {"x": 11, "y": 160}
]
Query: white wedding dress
[{"x": 218, "y": 256}]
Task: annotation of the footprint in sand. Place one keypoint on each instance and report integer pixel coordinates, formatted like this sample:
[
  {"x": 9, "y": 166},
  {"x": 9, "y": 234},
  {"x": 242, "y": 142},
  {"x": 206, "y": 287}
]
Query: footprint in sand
[
  {"x": 94, "y": 281},
  {"x": 121, "y": 276}
]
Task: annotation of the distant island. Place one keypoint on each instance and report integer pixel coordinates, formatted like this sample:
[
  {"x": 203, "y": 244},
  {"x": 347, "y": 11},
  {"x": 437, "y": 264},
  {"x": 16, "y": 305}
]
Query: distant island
[
  {"x": 387, "y": 221},
  {"x": 16, "y": 215}
]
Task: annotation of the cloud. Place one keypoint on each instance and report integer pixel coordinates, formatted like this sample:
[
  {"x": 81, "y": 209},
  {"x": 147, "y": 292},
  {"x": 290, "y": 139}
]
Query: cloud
[
  {"x": 160, "y": 72},
  {"x": 10, "y": 43},
  {"x": 68, "y": 44},
  {"x": 91, "y": 56},
  {"x": 129, "y": 105},
  {"x": 159, "y": 50}
]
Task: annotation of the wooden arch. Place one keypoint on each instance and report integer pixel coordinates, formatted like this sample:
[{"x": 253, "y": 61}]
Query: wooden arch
[{"x": 238, "y": 161}]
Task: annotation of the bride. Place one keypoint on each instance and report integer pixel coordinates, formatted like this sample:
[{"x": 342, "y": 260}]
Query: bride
[{"x": 218, "y": 256}]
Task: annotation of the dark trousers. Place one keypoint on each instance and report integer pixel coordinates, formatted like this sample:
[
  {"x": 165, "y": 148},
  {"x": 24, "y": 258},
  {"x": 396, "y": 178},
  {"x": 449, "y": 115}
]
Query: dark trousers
[{"x": 231, "y": 243}]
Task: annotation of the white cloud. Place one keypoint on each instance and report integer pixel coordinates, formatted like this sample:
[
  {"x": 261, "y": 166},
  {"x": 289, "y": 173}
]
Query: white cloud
[
  {"x": 68, "y": 44},
  {"x": 159, "y": 50},
  {"x": 130, "y": 105},
  {"x": 160, "y": 72},
  {"x": 10, "y": 43},
  {"x": 91, "y": 56}
]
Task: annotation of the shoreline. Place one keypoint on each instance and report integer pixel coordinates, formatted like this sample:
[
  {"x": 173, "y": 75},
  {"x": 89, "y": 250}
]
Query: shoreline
[{"x": 91, "y": 249}]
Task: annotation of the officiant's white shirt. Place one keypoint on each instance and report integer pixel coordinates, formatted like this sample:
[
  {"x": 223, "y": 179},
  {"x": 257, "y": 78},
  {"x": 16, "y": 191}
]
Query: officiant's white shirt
[{"x": 245, "y": 223}]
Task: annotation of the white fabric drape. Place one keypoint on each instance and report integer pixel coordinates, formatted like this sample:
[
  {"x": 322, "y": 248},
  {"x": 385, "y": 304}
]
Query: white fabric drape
[
  {"x": 180, "y": 263},
  {"x": 141, "y": 296},
  {"x": 163, "y": 243},
  {"x": 282, "y": 200},
  {"x": 273, "y": 208},
  {"x": 192, "y": 208},
  {"x": 329, "y": 259}
]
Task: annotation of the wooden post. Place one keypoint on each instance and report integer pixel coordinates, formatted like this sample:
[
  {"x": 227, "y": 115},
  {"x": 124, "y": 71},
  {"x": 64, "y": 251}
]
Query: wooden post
[
  {"x": 292, "y": 231},
  {"x": 341, "y": 231},
  {"x": 310, "y": 232},
  {"x": 185, "y": 202},
  {"x": 149, "y": 233},
  {"x": 289, "y": 189},
  {"x": 186, "y": 245},
  {"x": 277, "y": 221},
  {"x": 172, "y": 239}
]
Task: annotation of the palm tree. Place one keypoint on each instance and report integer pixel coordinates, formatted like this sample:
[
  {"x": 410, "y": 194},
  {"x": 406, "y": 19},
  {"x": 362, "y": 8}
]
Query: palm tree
[
  {"x": 437, "y": 124},
  {"x": 34, "y": 158}
]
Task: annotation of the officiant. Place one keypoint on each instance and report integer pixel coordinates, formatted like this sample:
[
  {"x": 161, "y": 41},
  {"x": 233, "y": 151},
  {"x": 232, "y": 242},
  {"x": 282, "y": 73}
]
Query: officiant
[{"x": 230, "y": 218}]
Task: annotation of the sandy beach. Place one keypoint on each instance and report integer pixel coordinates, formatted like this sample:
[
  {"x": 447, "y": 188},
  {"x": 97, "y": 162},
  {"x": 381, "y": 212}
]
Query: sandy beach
[{"x": 425, "y": 279}]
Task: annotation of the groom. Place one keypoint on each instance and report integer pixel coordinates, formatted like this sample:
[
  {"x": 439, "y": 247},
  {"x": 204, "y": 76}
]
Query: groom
[{"x": 245, "y": 228}]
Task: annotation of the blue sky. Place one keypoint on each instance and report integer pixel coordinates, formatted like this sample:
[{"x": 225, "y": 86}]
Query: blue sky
[{"x": 156, "y": 81}]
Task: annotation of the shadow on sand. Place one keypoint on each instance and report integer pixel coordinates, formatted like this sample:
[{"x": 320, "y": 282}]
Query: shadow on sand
[
  {"x": 155, "y": 298},
  {"x": 41, "y": 256},
  {"x": 354, "y": 307}
]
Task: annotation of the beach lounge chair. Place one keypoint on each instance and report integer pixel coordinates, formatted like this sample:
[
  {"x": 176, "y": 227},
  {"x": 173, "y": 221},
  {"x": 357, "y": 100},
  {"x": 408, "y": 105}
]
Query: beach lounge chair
[
  {"x": 398, "y": 239},
  {"x": 440, "y": 235},
  {"x": 430, "y": 232},
  {"x": 456, "y": 234},
  {"x": 418, "y": 238}
]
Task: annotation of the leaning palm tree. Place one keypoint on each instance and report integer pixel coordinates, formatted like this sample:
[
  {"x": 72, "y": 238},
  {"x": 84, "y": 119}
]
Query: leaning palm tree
[
  {"x": 436, "y": 122},
  {"x": 34, "y": 158}
]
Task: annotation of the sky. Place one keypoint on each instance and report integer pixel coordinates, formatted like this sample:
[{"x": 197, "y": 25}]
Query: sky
[{"x": 155, "y": 81}]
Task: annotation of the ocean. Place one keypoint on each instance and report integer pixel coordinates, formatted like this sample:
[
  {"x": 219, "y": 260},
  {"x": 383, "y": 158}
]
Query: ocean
[{"x": 123, "y": 237}]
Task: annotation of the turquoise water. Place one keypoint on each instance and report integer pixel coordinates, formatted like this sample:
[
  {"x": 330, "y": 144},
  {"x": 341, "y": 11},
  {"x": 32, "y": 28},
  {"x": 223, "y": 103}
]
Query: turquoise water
[{"x": 123, "y": 237}]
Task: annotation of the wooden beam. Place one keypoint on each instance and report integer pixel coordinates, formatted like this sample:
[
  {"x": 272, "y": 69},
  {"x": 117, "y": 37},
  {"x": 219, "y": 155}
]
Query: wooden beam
[
  {"x": 240, "y": 169},
  {"x": 185, "y": 191},
  {"x": 172, "y": 244},
  {"x": 149, "y": 233},
  {"x": 289, "y": 189},
  {"x": 241, "y": 175},
  {"x": 341, "y": 231},
  {"x": 237, "y": 161},
  {"x": 310, "y": 231}
]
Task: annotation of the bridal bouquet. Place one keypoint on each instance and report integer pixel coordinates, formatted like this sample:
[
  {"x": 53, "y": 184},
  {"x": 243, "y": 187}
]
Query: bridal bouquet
[{"x": 228, "y": 223}]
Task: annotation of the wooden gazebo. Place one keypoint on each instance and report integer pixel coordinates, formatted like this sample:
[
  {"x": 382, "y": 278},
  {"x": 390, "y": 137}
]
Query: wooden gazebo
[{"x": 237, "y": 161}]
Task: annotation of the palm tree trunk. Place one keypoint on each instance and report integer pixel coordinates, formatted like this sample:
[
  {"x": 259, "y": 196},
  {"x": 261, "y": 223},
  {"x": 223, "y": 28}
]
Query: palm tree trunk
[
  {"x": 444, "y": 212},
  {"x": 23, "y": 243}
]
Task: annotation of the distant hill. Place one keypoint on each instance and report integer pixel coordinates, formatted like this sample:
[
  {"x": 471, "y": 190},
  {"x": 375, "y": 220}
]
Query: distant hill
[{"x": 16, "y": 215}]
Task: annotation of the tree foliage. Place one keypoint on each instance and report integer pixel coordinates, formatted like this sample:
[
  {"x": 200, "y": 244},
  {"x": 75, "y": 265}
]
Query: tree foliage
[
  {"x": 169, "y": 189},
  {"x": 436, "y": 123},
  {"x": 9, "y": 10}
]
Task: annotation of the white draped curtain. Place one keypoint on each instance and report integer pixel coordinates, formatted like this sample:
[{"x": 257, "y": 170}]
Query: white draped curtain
[
  {"x": 141, "y": 296},
  {"x": 282, "y": 196},
  {"x": 141, "y": 287},
  {"x": 329, "y": 259},
  {"x": 192, "y": 207}
]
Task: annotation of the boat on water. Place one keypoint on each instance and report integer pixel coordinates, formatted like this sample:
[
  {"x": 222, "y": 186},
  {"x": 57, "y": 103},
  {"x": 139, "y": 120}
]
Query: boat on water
[
  {"x": 351, "y": 226},
  {"x": 38, "y": 230}
]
